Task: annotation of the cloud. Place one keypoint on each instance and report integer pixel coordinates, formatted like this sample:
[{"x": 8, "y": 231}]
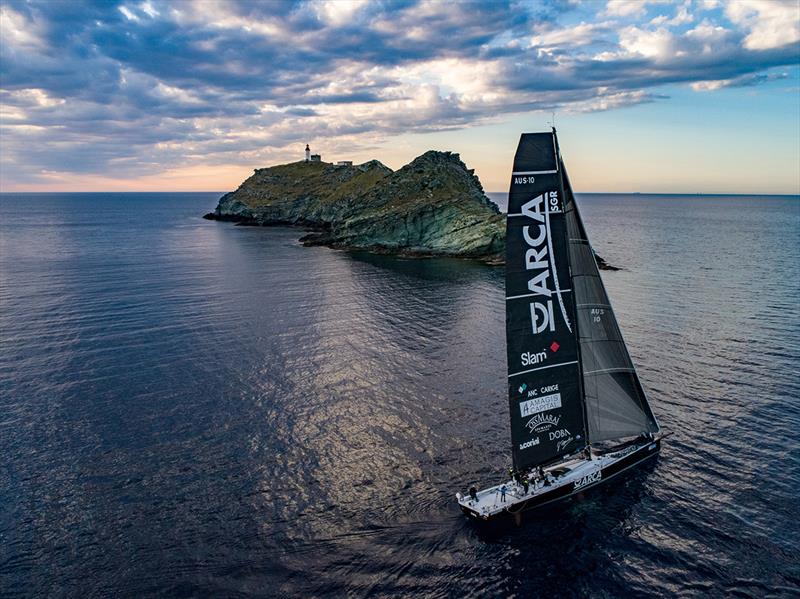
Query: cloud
[
  {"x": 658, "y": 44},
  {"x": 19, "y": 32},
  {"x": 577, "y": 35},
  {"x": 338, "y": 12},
  {"x": 743, "y": 81},
  {"x": 682, "y": 16},
  {"x": 771, "y": 23},
  {"x": 142, "y": 86},
  {"x": 629, "y": 8},
  {"x": 625, "y": 8}
]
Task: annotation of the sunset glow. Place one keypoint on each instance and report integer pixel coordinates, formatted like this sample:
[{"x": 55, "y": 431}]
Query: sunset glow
[{"x": 694, "y": 96}]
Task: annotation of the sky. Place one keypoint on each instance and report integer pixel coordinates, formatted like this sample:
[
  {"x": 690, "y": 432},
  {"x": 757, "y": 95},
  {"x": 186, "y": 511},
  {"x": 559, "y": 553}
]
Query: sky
[{"x": 690, "y": 96}]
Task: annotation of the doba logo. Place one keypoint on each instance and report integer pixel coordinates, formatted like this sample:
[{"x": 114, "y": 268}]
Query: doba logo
[
  {"x": 589, "y": 479},
  {"x": 564, "y": 438}
]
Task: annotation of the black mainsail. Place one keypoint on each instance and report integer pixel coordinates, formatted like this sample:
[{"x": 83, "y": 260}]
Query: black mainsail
[
  {"x": 571, "y": 380},
  {"x": 544, "y": 377}
]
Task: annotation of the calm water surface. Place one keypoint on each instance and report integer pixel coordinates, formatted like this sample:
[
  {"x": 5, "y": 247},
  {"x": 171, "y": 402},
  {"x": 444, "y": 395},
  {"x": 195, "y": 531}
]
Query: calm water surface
[{"x": 189, "y": 408}]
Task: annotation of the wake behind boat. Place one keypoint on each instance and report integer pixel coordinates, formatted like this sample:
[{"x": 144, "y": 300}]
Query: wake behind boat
[{"x": 579, "y": 414}]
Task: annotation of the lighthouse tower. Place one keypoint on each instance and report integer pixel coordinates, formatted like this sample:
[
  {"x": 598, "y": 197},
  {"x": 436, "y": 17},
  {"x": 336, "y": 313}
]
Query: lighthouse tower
[{"x": 308, "y": 153}]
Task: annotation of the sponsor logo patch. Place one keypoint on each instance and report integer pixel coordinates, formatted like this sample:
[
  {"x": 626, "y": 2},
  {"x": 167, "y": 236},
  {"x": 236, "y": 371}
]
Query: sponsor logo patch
[
  {"x": 563, "y": 438},
  {"x": 594, "y": 477},
  {"x": 538, "y": 261},
  {"x": 540, "y": 404},
  {"x": 542, "y": 423},
  {"x": 529, "y": 358},
  {"x": 532, "y": 443},
  {"x": 562, "y": 445},
  {"x": 626, "y": 451}
]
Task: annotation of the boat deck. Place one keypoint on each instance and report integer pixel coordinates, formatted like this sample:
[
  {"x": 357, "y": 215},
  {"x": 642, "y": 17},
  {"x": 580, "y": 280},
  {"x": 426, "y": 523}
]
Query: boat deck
[{"x": 563, "y": 479}]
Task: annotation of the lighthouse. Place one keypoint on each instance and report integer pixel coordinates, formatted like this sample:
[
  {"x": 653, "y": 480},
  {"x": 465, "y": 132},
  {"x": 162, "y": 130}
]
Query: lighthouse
[{"x": 308, "y": 153}]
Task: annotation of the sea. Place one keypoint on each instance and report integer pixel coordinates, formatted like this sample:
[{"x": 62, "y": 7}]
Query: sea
[{"x": 191, "y": 408}]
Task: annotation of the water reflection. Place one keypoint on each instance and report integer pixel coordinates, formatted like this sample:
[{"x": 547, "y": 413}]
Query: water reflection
[{"x": 193, "y": 408}]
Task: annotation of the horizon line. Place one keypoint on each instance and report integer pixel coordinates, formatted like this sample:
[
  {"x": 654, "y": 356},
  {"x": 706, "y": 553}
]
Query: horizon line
[{"x": 648, "y": 193}]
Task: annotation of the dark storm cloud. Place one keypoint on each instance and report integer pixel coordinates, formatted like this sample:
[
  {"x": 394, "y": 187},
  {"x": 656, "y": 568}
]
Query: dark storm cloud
[{"x": 152, "y": 84}]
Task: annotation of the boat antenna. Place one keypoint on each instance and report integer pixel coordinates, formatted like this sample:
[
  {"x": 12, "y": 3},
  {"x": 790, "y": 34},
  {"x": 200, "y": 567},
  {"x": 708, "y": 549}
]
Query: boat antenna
[{"x": 552, "y": 121}]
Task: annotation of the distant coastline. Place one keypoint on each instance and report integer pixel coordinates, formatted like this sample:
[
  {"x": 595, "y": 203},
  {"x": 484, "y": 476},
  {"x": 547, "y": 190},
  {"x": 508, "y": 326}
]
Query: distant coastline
[{"x": 489, "y": 194}]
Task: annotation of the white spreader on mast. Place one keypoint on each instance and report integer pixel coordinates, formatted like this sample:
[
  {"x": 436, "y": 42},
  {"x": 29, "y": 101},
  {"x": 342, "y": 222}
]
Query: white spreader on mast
[{"x": 579, "y": 414}]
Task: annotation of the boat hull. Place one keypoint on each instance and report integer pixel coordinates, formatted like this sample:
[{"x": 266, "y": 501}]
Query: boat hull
[{"x": 630, "y": 458}]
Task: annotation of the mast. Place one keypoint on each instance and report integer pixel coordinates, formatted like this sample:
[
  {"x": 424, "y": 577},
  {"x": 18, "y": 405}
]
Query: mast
[{"x": 546, "y": 398}]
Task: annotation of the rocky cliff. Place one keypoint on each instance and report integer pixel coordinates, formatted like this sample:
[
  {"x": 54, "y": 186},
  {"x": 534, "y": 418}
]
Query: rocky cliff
[{"x": 433, "y": 206}]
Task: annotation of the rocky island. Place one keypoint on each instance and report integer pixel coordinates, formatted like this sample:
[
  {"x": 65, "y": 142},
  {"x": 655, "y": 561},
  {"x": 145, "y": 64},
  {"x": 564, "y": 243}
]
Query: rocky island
[{"x": 433, "y": 206}]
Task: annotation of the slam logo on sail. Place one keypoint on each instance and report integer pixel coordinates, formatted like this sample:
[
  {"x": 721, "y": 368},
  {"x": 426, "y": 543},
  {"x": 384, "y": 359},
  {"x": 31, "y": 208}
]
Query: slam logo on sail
[{"x": 538, "y": 258}]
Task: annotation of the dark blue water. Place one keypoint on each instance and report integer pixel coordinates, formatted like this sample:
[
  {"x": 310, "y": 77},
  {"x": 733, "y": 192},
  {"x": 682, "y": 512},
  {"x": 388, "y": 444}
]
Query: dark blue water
[{"x": 189, "y": 408}]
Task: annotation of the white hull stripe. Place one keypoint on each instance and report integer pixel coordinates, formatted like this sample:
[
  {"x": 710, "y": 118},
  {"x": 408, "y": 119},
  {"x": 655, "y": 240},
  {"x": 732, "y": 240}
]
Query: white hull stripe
[
  {"x": 542, "y": 368},
  {"x": 533, "y": 172}
]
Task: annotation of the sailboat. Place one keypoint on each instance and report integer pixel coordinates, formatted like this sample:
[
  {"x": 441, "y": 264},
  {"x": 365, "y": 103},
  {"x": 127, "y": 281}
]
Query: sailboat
[{"x": 579, "y": 414}]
